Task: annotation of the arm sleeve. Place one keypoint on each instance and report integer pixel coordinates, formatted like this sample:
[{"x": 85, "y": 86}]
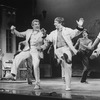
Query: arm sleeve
[
  {"x": 98, "y": 35},
  {"x": 74, "y": 32},
  {"x": 20, "y": 34}
]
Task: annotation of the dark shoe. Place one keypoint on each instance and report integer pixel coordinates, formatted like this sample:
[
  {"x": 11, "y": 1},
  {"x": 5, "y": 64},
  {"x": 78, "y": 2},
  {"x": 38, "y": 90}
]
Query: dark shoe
[
  {"x": 3, "y": 78},
  {"x": 29, "y": 81},
  {"x": 66, "y": 58},
  {"x": 84, "y": 82}
]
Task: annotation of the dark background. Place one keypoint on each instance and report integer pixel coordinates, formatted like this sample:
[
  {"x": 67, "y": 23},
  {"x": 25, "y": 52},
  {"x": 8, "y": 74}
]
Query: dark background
[{"x": 23, "y": 14}]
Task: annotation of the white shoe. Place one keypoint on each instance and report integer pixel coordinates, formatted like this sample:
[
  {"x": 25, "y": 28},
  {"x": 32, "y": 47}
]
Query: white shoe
[
  {"x": 68, "y": 89},
  {"x": 37, "y": 86}
]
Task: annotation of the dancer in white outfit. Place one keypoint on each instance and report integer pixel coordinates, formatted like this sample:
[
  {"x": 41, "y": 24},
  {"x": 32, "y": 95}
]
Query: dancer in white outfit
[
  {"x": 63, "y": 46},
  {"x": 34, "y": 39}
]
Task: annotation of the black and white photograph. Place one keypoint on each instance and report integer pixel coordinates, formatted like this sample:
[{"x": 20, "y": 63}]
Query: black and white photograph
[{"x": 50, "y": 49}]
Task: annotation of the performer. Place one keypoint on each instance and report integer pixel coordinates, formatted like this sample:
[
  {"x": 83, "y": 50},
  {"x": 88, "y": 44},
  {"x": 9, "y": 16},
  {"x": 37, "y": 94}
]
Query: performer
[
  {"x": 63, "y": 46},
  {"x": 34, "y": 39},
  {"x": 84, "y": 53}
]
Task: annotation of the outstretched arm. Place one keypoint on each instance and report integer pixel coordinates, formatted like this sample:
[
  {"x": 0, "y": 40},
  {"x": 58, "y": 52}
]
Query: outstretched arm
[
  {"x": 78, "y": 29},
  {"x": 17, "y": 33},
  {"x": 96, "y": 42},
  {"x": 79, "y": 26},
  {"x": 88, "y": 46}
]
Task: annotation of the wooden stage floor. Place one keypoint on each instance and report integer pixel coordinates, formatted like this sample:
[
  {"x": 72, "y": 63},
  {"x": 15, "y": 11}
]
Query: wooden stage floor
[{"x": 55, "y": 88}]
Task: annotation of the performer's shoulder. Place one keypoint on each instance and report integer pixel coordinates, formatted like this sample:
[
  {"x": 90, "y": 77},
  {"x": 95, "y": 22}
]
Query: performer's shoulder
[
  {"x": 67, "y": 28},
  {"x": 52, "y": 31},
  {"x": 29, "y": 29}
]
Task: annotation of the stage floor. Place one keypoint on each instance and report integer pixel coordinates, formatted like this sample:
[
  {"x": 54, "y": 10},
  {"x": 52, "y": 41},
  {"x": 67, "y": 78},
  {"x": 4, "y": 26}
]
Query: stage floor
[{"x": 54, "y": 87}]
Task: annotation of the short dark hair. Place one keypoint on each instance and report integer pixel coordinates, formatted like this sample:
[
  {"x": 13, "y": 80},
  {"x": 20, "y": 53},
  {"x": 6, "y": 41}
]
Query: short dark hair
[
  {"x": 60, "y": 20},
  {"x": 35, "y": 20},
  {"x": 85, "y": 30}
]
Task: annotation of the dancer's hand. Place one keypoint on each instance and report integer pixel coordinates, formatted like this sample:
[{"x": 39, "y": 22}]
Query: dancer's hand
[
  {"x": 80, "y": 22},
  {"x": 43, "y": 32},
  {"x": 12, "y": 29}
]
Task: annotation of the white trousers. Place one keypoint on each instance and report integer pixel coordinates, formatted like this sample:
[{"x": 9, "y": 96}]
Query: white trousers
[
  {"x": 35, "y": 61},
  {"x": 67, "y": 69}
]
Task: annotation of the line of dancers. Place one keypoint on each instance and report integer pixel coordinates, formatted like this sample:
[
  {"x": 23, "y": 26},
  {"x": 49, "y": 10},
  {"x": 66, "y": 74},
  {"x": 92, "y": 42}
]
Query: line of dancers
[{"x": 37, "y": 41}]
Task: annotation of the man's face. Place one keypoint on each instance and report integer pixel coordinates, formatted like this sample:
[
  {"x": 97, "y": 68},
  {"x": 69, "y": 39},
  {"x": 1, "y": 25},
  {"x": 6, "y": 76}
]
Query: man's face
[
  {"x": 36, "y": 26},
  {"x": 85, "y": 34},
  {"x": 57, "y": 24}
]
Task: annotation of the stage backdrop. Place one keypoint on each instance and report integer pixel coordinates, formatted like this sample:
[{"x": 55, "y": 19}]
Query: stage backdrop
[{"x": 71, "y": 10}]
